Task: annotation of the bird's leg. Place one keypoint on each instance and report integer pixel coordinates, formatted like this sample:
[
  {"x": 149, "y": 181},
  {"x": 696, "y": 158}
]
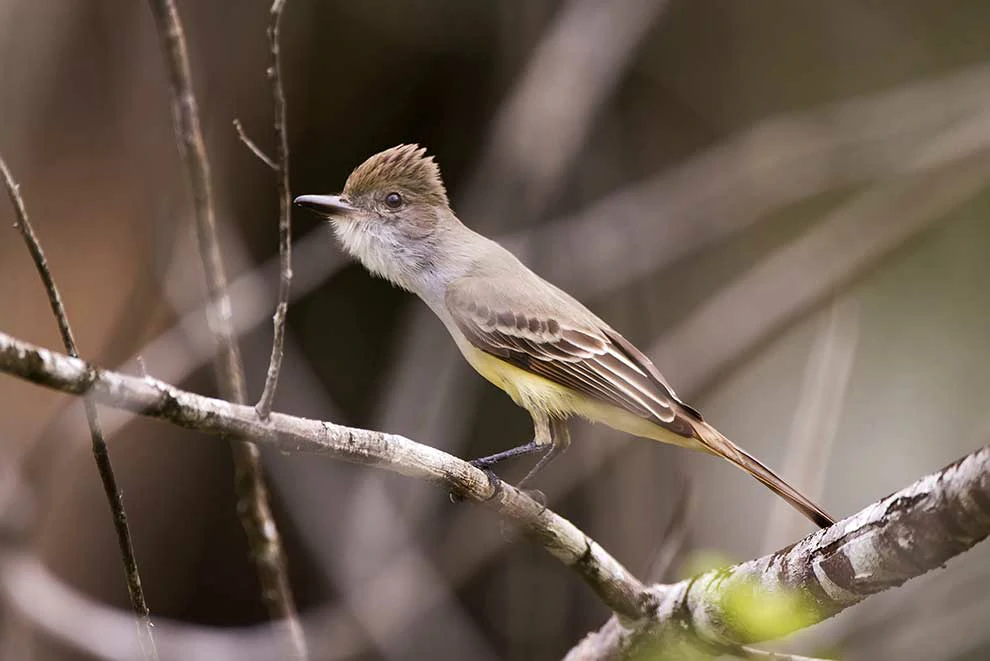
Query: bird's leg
[
  {"x": 550, "y": 436},
  {"x": 542, "y": 440},
  {"x": 560, "y": 438},
  {"x": 499, "y": 457}
]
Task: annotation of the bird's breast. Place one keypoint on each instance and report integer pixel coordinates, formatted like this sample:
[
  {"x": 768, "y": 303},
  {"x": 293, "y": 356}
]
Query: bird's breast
[{"x": 531, "y": 392}]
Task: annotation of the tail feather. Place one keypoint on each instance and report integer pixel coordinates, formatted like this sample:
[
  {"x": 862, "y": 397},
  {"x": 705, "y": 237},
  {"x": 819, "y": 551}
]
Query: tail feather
[{"x": 719, "y": 445}]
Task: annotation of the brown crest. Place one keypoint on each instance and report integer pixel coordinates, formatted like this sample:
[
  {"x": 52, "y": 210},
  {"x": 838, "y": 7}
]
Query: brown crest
[{"x": 405, "y": 168}]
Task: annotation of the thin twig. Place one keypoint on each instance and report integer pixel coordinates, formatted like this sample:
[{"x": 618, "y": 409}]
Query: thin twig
[
  {"x": 100, "y": 451},
  {"x": 252, "y": 146},
  {"x": 252, "y": 494},
  {"x": 264, "y": 405},
  {"x": 615, "y": 586}
]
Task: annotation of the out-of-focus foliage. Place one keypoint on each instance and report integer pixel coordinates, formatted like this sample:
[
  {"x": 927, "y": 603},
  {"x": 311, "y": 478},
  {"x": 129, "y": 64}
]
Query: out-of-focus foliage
[{"x": 767, "y": 615}]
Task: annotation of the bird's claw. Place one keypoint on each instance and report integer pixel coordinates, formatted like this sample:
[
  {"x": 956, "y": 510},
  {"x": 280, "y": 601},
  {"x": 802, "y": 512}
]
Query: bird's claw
[{"x": 493, "y": 481}]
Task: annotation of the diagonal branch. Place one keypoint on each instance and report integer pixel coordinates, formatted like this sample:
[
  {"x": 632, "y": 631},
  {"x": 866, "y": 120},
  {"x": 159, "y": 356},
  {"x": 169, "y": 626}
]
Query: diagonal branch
[
  {"x": 615, "y": 586},
  {"x": 252, "y": 493},
  {"x": 907, "y": 534},
  {"x": 100, "y": 451}
]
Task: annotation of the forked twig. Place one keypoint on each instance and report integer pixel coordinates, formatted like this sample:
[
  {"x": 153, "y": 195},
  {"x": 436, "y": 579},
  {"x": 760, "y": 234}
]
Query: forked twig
[{"x": 253, "y": 146}]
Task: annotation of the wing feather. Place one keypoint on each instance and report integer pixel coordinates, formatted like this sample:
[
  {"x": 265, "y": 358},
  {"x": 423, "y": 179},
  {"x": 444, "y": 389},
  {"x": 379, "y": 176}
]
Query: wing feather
[{"x": 581, "y": 353}]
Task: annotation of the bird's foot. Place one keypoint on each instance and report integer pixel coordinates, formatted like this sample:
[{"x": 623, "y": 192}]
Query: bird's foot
[{"x": 493, "y": 481}]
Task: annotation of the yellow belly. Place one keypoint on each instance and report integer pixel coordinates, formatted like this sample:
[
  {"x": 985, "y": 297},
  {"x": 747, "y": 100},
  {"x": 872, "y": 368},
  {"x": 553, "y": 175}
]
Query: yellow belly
[{"x": 537, "y": 394}]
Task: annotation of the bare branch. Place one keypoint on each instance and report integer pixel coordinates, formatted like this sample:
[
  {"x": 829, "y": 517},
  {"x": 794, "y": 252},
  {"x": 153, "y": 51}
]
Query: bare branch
[
  {"x": 100, "y": 451},
  {"x": 905, "y": 535},
  {"x": 900, "y": 537},
  {"x": 252, "y": 493},
  {"x": 252, "y": 146},
  {"x": 616, "y": 587},
  {"x": 264, "y": 405}
]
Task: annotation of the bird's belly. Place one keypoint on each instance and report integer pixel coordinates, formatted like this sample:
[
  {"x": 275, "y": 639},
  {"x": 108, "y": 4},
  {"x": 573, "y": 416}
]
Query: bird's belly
[
  {"x": 531, "y": 392},
  {"x": 538, "y": 394}
]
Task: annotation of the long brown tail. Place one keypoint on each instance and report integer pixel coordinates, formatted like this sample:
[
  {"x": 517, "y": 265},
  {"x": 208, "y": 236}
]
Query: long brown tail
[{"x": 719, "y": 445}]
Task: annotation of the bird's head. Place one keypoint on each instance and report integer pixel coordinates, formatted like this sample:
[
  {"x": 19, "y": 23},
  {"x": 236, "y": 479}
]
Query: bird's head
[{"x": 388, "y": 212}]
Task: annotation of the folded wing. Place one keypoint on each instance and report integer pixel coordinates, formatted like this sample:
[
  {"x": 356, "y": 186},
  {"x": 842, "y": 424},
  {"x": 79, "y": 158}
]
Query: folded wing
[{"x": 567, "y": 345}]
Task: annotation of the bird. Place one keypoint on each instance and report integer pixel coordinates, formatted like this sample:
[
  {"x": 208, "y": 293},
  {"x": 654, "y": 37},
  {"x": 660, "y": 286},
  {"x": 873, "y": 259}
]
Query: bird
[{"x": 553, "y": 356}]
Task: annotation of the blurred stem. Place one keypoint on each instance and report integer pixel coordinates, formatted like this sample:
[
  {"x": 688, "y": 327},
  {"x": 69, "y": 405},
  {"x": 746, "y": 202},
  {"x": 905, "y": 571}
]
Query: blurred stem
[
  {"x": 252, "y": 494},
  {"x": 100, "y": 451},
  {"x": 815, "y": 421}
]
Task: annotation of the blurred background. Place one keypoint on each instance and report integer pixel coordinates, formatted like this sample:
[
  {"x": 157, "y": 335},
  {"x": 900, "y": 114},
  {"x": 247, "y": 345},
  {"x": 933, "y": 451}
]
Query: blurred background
[{"x": 783, "y": 202}]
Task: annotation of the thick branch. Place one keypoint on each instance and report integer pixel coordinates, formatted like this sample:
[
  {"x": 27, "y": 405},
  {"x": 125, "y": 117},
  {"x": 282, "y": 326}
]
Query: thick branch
[
  {"x": 905, "y": 535},
  {"x": 252, "y": 493},
  {"x": 616, "y": 587},
  {"x": 101, "y": 453},
  {"x": 902, "y": 536}
]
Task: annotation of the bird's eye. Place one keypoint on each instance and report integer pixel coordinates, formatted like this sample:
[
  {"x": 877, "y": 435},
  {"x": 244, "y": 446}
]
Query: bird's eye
[{"x": 393, "y": 200}]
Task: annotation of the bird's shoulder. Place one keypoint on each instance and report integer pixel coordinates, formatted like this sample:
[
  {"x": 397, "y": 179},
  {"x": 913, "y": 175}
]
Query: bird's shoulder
[{"x": 520, "y": 304}]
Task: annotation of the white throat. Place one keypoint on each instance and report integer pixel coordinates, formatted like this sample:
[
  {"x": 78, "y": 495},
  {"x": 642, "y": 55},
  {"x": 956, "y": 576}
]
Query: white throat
[{"x": 380, "y": 251}]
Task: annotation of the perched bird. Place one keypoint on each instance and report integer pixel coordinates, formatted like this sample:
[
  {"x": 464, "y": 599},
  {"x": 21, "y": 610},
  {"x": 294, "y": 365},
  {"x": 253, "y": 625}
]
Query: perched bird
[{"x": 552, "y": 355}]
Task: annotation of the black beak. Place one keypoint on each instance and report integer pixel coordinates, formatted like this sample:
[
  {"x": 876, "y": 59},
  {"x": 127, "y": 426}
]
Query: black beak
[{"x": 327, "y": 205}]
